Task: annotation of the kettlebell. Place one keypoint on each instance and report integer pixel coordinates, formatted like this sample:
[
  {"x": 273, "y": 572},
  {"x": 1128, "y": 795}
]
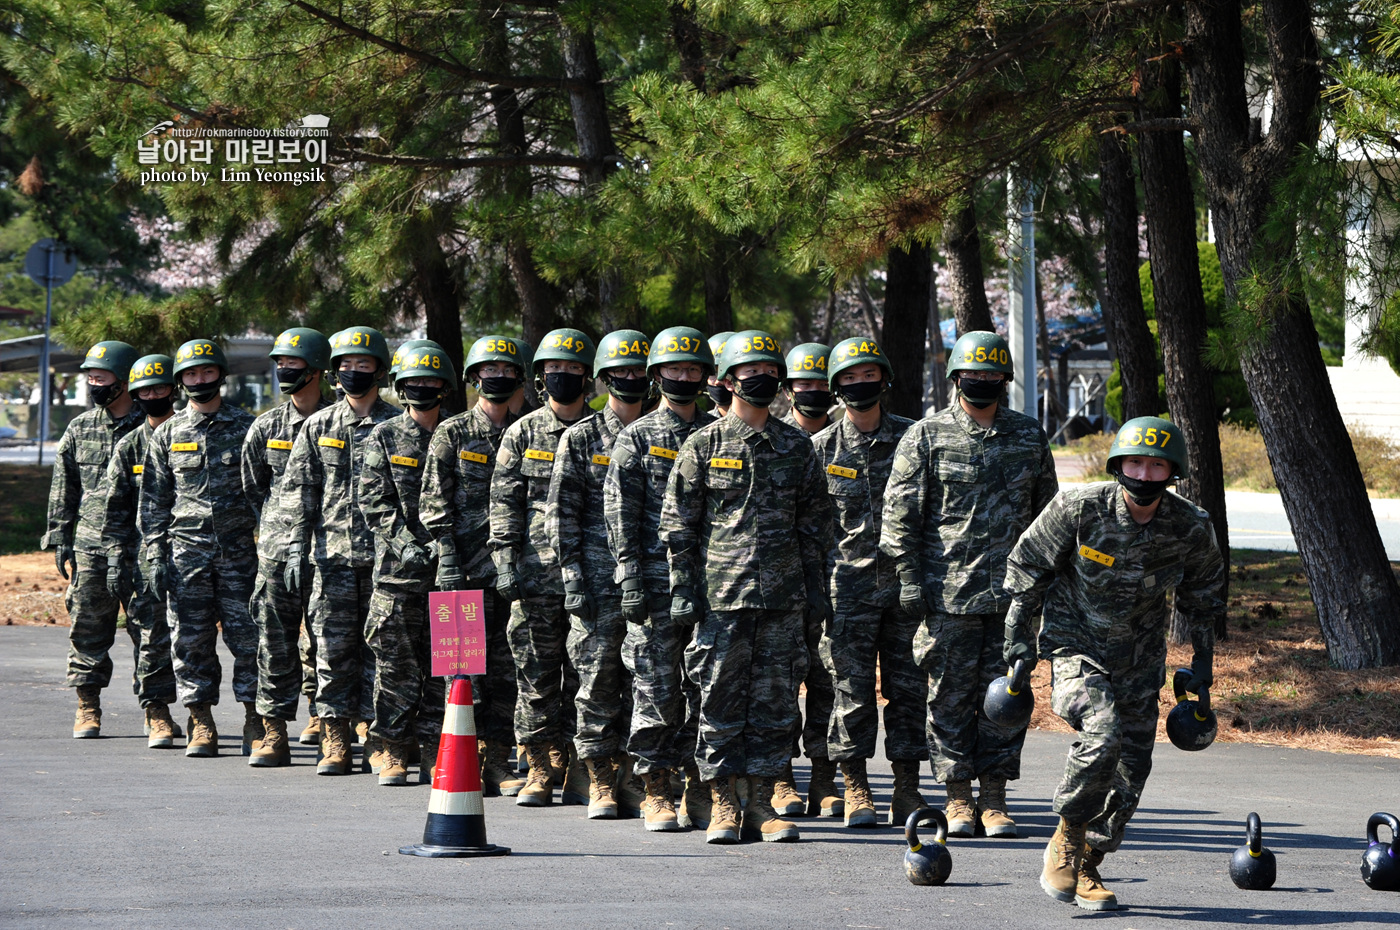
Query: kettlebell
[
  {"x": 1191, "y": 724},
  {"x": 1252, "y": 867},
  {"x": 927, "y": 864},
  {"x": 1380, "y": 866},
  {"x": 1009, "y": 701}
]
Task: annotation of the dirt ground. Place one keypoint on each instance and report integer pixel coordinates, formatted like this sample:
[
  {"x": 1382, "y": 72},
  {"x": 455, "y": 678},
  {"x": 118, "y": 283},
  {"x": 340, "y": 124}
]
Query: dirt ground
[{"x": 31, "y": 591}]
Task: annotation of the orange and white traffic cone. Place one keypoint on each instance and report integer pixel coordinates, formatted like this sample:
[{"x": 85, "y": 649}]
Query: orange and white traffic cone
[{"x": 456, "y": 818}]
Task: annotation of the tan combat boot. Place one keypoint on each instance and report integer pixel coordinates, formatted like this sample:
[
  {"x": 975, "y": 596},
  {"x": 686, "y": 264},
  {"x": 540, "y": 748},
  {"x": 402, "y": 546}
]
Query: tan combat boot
[
  {"x": 87, "y": 722},
  {"x": 1089, "y": 892},
  {"x": 538, "y": 790},
  {"x": 1060, "y": 877},
  {"x": 497, "y": 775},
  {"x": 274, "y": 749},
  {"x": 695, "y": 801},
  {"x": 393, "y": 762},
  {"x": 786, "y": 800},
  {"x": 427, "y": 760},
  {"x": 962, "y": 815},
  {"x": 602, "y": 778},
  {"x": 336, "y": 738},
  {"x": 160, "y": 729},
  {"x": 761, "y": 822},
  {"x": 371, "y": 753},
  {"x": 204, "y": 736},
  {"x": 724, "y": 813},
  {"x": 822, "y": 799},
  {"x": 991, "y": 808},
  {"x": 575, "y": 784},
  {"x": 659, "y": 808},
  {"x": 860, "y": 803},
  {"x": 906, "y": 798},
  {"x": 252, "y": 728},
  {"x": 311, "y": 736},
  {"x": 631, "y": 791},
  {"x": 361, "y": 730}
]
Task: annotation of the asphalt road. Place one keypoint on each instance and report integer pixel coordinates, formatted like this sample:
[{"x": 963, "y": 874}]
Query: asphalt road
[{"x": 108, "y": 833}]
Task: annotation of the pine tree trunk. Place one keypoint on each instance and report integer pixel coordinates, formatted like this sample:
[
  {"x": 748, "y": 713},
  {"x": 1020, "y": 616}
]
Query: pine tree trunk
[
  {"x": 719, "y": 307},
  {"x": 438, "y": 290},
  {"x": 1170, "y": 208},
  {"x": 967, "y": 290},
  {"x": 905, "y": 328},
  {"x": 1353, "y": 585},
  {"x": 1123, "y": 315}
]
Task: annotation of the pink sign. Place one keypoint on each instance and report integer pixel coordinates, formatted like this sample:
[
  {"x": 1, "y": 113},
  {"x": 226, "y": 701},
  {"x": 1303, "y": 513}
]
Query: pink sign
[{"x": 457, "y": 625}]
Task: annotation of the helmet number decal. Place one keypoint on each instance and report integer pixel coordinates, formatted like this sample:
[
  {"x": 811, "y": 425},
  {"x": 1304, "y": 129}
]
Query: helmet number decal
[
  {"x": 683, "y": 344},
  {"x": 1152, "y": 436},
  {"x": 567, "y": 342},
  {"x": 501, "y": 345},
  {"x": 759, "y": 344},
  {"x": 635, "y": 347},
  {"x": 983, "y": 354}
]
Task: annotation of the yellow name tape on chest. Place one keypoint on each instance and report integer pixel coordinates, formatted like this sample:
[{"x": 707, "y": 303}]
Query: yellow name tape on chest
[
  {"x": 662, "y": 453},
  {"x": 1094, "y": 555},
  {"x": 602, "y": 460},
  {"x": 332, "y": 442},
  {"x": 466, "y": 456},
  {"x": 184, "y": 447},
  {"x": 403, "y": 460},
  {"x": 840, "y": 472},
  {"x": 137, "y": 469},
  {"x": 539, "y": 456},
  {"x": 282, "y": 444},
  {"x": 727, "y": 463}
]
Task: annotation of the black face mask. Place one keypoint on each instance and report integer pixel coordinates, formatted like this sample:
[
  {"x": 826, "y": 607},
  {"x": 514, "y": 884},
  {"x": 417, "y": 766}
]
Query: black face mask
[
  {"x": 812, "y": 404},
  {"x": 1142, "y": 492},
  {"x": 204, "y": 393},
  {"x": 629, "y": 390},
  {"x": 720, "y": 394},
  {"x": 981, "y": 394},
  {"x": 420, "y": 396},
  {"x": 104, "y": 395},
  {"x": 563, "y": 387},
  {"x": 680, "y": 392},
  {"x": 498, "y": 390},
  {"x": 862, "y": 395},
  {"x": 356, "y": 383},
  {"x": 156, "y": 407},
  {"x": 291, "y": 380},
  {"x": 759, "y": 390}
]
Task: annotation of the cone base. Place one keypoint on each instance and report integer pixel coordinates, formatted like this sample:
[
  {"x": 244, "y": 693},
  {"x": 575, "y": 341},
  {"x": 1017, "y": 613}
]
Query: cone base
[{"x": 453, "y": 852}]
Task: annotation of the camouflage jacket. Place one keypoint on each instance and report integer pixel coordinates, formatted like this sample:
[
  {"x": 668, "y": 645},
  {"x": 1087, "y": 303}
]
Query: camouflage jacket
[
  {"x": 634, "y": 490},
  {"x": 121, "y": 493},
  {"x": 456, "y": 501},
  {"x": 265, "y": 454},
  {"x": 79, "y": 467},
  {"x": 857, "y": 467},
  {"x": 1101, "y": 579},
  {"x": 192, "y": 484},
  {"x": 321, "y": 486},
  {"x": 520, "y": 496},
  {"x": 790, "y": 418},
  {"x": 746, "y": 518},
  {"x": 958, "y": 499},
  {"x": 391, "y": 482},
  {"x": 574, "y": 516}
]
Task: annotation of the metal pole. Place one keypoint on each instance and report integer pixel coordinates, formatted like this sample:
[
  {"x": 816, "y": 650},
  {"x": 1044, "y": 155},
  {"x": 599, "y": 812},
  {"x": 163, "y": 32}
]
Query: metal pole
[
  {"x": 1020, "y": 325},
  {"x": 44, "y": 356}
]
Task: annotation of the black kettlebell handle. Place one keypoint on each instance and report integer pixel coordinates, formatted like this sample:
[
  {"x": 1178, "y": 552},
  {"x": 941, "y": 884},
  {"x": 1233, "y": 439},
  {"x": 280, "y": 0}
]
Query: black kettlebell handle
[
  {"x": 1179, "y": 679},
  {"x": 1020, "y": 677},
  {"x": 1389, "y": 820},
  {"x": 911, "y": 827},
  {"x": 1254, "y": 832}
]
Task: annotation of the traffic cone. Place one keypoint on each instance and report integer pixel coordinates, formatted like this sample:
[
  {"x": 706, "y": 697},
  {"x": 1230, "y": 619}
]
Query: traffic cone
[{"x": 456, "y": 820}]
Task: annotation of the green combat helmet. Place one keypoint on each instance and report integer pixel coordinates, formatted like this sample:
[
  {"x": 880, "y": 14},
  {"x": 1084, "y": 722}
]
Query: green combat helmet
[
  {"x": 496, "y": 348},
  {"x": 305, "y": 344},
  {"x": 397, "y": 359},
  {"x": 1150, "y": 436},
  {"x": 361, "y": 340},
  {"x": 151, "y": 371},
  {"x": 427, "y": 360},
  {"x": 850, "y": 353},
  {"x": 198, "y": 352},
  {"x": 564, "y": 345},
  {"x": 113, "y": 356},
  {"x": 808, "y": 361},
  {"x": 981, "y": 351},
  {"x": 623, "y": 348},
  {"x": 751, "y": 345},
  {"x": 717, "y": 342},
  {"x": 681, "y": 344}
]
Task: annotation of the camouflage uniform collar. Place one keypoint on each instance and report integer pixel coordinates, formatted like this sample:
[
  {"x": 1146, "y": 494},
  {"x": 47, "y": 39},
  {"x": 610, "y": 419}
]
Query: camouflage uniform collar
[
  {"x": 559, "y": 423},
  {"x": 115, "y": 423},
  {"x": 672, "y": 418},
  {"x": 223, "y": 414},
  {"x": 612, "y": 422},
  {"x": 964, "y": 419},
  {"x": 480, "y": 416},
  {"x": 380, "y": 407},
  {"x": 294, "y": 415},
  {"x": 885, "y": 432},
  {"x": 1125, "y": 516}
]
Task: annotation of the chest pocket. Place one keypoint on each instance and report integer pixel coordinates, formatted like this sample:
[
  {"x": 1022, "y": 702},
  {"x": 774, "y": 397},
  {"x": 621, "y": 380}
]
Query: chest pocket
[
  {"x": 960, "y": 487},
  {"x": 277, "y": 462},
  {"x": 1162, "y": 577},
  {"x": 474, "y": 464},
  {"x": 1089, "y": 563},
  {"x": 845, "y": 481},
  {"x": 92, "y": 461},
  {"x": 334, "y": 458},
  {"x": 537, "y": 472},
  {"x": 185, "y": 463},
  {"x": 726, "y": 486}
]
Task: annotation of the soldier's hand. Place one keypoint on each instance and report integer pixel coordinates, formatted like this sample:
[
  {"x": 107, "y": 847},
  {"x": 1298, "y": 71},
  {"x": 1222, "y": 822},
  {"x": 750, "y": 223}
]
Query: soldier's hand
[
  {"x": 413, "y": 556},
  {"x": 114, "y": 576},
  {"x": 577, "y": 601},
  {"x": 291, "y": 572},
  {"x": 449, "y": 576},
  {"x": 1020, "y": 649},
  {"x": 62, "y": 557},
  {"x": 634, "y": 600},
  {"x": 683, "y": 608},
  {"x": 506, "y": 584},
  {"x": 911, "y": 595},
  {"x": 1202, "y": 676},
  {"x": 156, "y": 578}
]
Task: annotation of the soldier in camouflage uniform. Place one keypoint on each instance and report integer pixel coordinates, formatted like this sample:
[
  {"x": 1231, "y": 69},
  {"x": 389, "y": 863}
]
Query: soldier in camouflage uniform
[
  {"x": 320, "y": 495},
  {"x": 301, "y": 355},
  {"x": 455, "y": 510},
  {"x": 966, "y": 483},
  {"x": 528, "y": 572},
  {"x": 807, "y": 388},
  {"x": 577, "y": 532},
  {"x": 663, "y": 727},
  {"x": 408, "y": 698},
  {"x": 75, "y": 530},
  {"x": 152, "y": 385},
  {"x": 747, "y": 524},
  {"x": 1098, "y": 563},
  {"x": 857, "y": 454},
  {"x": 720, "y": 396},
  {"x": 197, "y": 538}
]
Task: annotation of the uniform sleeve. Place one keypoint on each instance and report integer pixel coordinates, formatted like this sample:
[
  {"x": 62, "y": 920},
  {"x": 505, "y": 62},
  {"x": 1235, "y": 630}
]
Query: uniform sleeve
[
  {"x": 567, "y": 495},
  {"x": 815, "y": 534},
  {"x": 906, "y": 497},
  {"x": 682, "y": 515},
  {"x": 257, "y": 474},
  {"x": 157, "y": 496},
  {"x": 1047, "y": 485},
  {"x": 1042, "y": 552},
  {"x": 65, "y": 494},
  {"x": 508, "y": 495},
  {"x": 439, "y": 485},
  {"x": 299, "y": 494},
  {"x": 118, "y": 496},
  {"x": 378, "y": 495},
  {"x": 1200, "y": 595},
  {"x": 624, "y": 501}
]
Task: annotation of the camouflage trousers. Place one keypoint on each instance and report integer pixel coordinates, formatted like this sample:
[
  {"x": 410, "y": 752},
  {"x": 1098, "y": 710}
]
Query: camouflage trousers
[
  {"x": 339, "y": 608},
  {"x": 408, "y": 699},
  {"x": 604, "y": 701},
  {"x": 747, "y": 664},
  {"x": 1116, "y": 717},
  {"x": 665, "y": 701},
  {"x": 209, "y": 591},
  {"x": 545, "y": 679},
  {"x": 92, "y": 632},
  {"x": 494, "y": 693},
  {"x": 821, "y": 697},
  {"x": 857, "y": 636},
  {"x": 962, "y": 655},
  {"x": 280, "y": 615}
]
